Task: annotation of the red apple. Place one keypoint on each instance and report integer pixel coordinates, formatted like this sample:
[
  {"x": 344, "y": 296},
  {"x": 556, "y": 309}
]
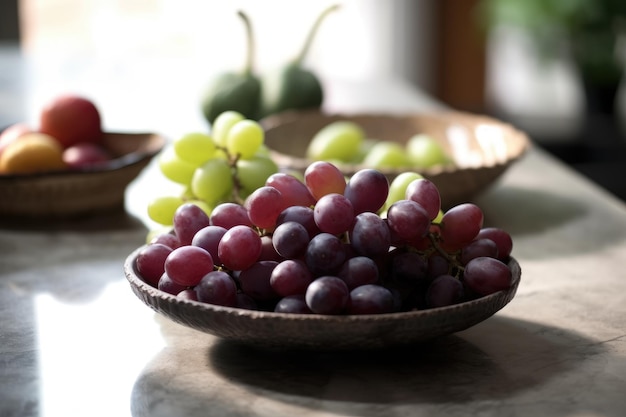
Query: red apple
[
  {"x": 86, "y": 155},
  {"x": 71, "y": 120},
  {"x": 12, "y": 133}
]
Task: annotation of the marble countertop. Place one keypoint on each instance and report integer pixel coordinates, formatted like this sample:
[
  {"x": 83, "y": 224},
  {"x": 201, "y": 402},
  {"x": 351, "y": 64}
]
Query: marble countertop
[{"x": 75, "y": 341}]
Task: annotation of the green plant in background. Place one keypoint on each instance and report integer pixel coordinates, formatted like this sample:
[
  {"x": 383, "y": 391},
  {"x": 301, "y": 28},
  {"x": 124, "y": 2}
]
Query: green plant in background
[{"x": 591, "y": 27}]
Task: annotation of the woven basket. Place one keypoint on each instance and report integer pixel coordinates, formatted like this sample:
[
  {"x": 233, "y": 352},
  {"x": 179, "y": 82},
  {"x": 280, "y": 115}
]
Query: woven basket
[
  {"x": 76, "y": 193},
  {"x": 483, "y": 148}
]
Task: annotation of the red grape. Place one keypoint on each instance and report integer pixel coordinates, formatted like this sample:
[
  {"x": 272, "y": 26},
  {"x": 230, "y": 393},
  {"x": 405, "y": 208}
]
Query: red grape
[
  {"x": 188, "y": 219},
  {"x": 188, "y": 264},
  {"x": 294, "y": 191},
  {"x": 263, "y": 206},
  {"x": 323, "y": 178},
  {"x": 425, "y": 193},
  {"x": 151, "y": 262},
  {"x": 239, "y": 248},
  {"x": 333, "y": 214}
]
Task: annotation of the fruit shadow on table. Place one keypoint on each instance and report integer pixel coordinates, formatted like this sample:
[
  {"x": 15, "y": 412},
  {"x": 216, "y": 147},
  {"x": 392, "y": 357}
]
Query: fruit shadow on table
[{"x": 475, "y": 364}]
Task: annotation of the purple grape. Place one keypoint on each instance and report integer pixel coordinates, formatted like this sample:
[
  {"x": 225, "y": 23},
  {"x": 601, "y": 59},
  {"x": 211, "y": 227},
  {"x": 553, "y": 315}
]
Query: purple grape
[
  {"x": 188, "y": 294},
  {"x": 255, "y": 281},
  {"x": 371, "y": 299},
  {"x": 443, "y": 291},
  {"x": 437, "y": 265},
  {"x": 502, "y": 239},
  {"x": 246, "y": 302},
  {"x": 295, "y": 304},
  {"x": 299, "y": 214},
  {"x": 408, "y": 267},
  {"x": 291, "y": 277},
  {"x": 208, "y": 238},
  {"x": 228, "y": 215},
  {"x": 325, "y": 254},
  {"x": 327, "y": 295},
  {"x": 486, "y": 276},
  {"x": 166, "y": 284},
  {"x": 358, "y": 270},
  {"x": 290, "y": 240},
  {"x": 408, "y": 220},
  {"x": 268, "y": 252},
  {"x": 370, "y": 235},
  {"x": 478, "y": 247},
  {"x": 217, "y": 287},
  {"x": 367, "y": 190}
]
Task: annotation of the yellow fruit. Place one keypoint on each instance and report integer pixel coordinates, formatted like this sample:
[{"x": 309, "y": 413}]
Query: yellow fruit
[{"x": 33, "y": 152}]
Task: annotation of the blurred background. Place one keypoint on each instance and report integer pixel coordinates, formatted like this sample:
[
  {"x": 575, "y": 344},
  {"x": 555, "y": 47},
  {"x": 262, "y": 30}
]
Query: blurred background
[{"x": 551, "y": 67}]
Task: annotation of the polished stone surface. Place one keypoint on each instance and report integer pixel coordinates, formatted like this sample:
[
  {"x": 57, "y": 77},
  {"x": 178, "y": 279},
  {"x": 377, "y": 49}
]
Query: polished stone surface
[{"x": 75, "y": 341}]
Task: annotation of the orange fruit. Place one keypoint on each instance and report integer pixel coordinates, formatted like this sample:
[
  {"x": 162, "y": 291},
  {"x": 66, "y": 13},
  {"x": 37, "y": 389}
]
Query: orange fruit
[{"x": 34, "y": 152}]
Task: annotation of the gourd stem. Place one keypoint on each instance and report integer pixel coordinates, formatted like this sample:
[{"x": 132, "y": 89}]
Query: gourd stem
[
  {"x": 311, "y": 35},
  {"x": 248, "y": 68}
]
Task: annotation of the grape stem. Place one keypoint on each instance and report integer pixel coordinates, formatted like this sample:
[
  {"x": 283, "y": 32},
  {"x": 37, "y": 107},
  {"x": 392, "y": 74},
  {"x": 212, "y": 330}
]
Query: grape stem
[
  {"x": 454, "y": 263},
  {"x": 311, "y": 35}
]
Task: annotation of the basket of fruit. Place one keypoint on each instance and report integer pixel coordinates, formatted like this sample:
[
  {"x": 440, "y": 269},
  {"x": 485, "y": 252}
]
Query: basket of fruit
[
  {"x": 318, "y": 261},
  {"x": 68, "y": 166},
  {"x": 461, "y": 153}
]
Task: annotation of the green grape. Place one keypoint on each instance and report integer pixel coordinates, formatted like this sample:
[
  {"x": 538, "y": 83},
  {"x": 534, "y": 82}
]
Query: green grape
[
  {"x": 387, "y": 154},
  {"x": 263, "y": 151},
  {"x": 364, "y": 149},
  {"x": 162, "y": 209},
  {"x": 222, "y": 125},
  {"x": 397, "y": 188},
  {"x": 252, "y": 173},
  {"x": 339, "y": 140},
  {"x": 195, "y": 148},
  {"x": 212, "y": 181},
  {"x": 439, "y": 217},
  {"x": 174, "y": 168},
  {"x": 426, "y": 152},
  {"x": 244, "y": 138}
]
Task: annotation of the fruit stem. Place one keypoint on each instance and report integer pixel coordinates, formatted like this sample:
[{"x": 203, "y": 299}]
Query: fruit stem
[
  {"x": 311, "y": 35},
  {"x": 454, "y": 263},
  {"x": 249, "y": 63}
]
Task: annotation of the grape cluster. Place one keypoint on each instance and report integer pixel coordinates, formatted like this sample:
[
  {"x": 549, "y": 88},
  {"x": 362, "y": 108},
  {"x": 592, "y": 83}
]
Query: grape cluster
[
  {"x": 346, "y": 141},
  {"x": 325, "y": 244},
  {"x": 226, "y": 164}
]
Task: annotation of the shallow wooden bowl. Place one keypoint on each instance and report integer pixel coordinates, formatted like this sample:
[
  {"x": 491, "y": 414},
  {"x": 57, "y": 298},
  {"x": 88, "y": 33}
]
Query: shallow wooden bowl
[
  {"x": 320, "y": 332},
  {"x": 482, "y": 147},
  {"x": 80, "y": 192}
]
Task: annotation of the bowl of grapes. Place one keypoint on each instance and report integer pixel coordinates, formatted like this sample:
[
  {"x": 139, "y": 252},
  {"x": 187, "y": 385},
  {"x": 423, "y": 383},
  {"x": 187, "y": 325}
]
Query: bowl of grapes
[
  {"x": 316, "y": 259},
  {"x": 462, "y": 153}
]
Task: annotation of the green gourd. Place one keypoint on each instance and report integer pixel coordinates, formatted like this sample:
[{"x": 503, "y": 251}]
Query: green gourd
[
  {"x": 236, "y": 91},
  {"x": 293, "y": 87}
]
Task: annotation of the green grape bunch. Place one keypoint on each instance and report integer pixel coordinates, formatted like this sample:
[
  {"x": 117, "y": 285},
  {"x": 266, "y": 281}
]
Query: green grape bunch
[{"x": 224, "y": 165}]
